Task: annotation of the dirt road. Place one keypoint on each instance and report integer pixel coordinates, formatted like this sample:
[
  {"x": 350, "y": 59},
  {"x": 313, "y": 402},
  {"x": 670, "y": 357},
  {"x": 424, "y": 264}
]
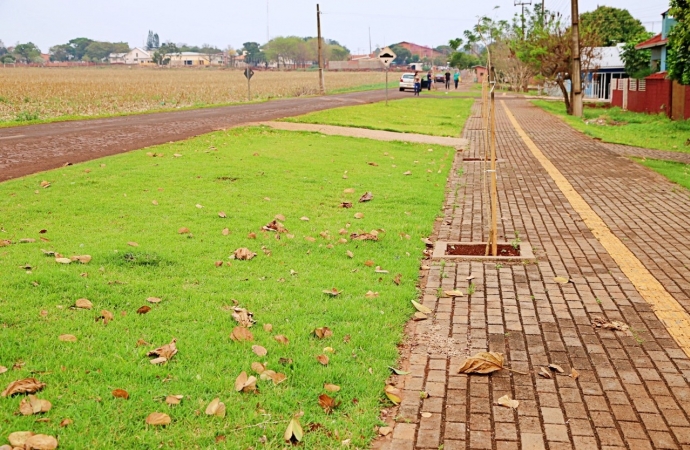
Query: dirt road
[{"x": 35, "y": 148}]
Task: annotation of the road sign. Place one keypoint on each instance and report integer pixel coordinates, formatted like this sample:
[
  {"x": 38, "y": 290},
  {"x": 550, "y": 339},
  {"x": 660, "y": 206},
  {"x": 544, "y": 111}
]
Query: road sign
[
  {"x": 387, "y": 56},
  {"x": 249, "y": 73}
]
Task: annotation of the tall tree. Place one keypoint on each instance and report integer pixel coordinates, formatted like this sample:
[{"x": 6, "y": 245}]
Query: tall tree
[
  {"x": 162, "y": 55},
  {"x": 99, "y": 51},
  {"x": 613, "y": 25},
  {"x": 678, "y": 59},
  {"x": 3, "y": 49},
  {"x": 637, "y": 61},
  {"x": 153, "y": 41},
  {"x": 60, "y": 52},
  {"x": 28, "y": 52},
  {"x": 78, "y": 47},
  {"x": 254, "y": 54}
]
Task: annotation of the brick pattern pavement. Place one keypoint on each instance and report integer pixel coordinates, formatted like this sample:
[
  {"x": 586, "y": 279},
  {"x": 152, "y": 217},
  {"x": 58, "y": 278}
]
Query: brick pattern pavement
[
  {"x": 632, "y": 391},
  {"x": 639, "y": 152}
]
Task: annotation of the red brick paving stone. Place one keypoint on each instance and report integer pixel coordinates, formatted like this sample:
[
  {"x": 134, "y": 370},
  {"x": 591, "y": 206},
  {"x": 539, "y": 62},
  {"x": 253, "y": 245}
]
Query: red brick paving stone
[{"x": 629, "y": 394}]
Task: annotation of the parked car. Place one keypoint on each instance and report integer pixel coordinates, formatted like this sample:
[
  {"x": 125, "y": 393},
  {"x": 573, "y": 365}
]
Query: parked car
[
  {"x": 407, "y": 81},
  {"x": 440, "y": 77}
]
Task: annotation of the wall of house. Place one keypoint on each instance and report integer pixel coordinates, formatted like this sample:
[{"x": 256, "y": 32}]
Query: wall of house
[
  {"x": 658, "y": 98},
  {"x": 655, "y": 99},
  {"x": 687, "y": 102}
]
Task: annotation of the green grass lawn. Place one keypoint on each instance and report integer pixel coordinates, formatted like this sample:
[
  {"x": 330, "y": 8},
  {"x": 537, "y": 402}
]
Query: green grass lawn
[
  {"x": 625, "y": 127},
  {"x": 251, "y": 174},
  {"x": 675, "y": 171},
  {"x": 438, "y": 117}
]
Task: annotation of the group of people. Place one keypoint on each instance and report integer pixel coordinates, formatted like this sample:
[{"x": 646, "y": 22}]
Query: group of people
[{"x": 430, "y": 80}]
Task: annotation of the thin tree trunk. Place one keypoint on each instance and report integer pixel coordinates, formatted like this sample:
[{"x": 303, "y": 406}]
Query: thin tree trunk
[{"x": 566, "y": 95}]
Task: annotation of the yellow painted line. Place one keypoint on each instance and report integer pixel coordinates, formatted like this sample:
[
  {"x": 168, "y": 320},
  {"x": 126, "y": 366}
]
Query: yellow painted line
[{"x": 668, "y": 310}]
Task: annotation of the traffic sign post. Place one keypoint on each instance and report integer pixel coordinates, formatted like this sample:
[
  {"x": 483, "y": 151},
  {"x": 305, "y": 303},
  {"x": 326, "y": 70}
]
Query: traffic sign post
[
  {"x": 386, "y": 57},
  {"x": 249, "y": 73}
]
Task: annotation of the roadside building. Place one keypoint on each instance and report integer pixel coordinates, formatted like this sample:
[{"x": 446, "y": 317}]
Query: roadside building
[
  {"x": 135, "y": 56},
  {"x": 192, "y": 59},
  {"x": 658, "y": 43},
  {"x": 421, "y": 51},
  {"x": 606, "y": 65},
  {"x": 479, "y": 73}
]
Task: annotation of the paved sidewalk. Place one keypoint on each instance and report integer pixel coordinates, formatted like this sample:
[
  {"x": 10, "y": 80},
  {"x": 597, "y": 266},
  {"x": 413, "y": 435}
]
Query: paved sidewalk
[{"x": 632, "y": 391}]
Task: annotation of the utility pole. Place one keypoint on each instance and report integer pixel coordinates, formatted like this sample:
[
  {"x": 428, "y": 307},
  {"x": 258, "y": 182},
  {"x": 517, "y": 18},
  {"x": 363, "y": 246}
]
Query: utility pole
[
  {"x": 575, "y": 69},
  {"x": 268, "y": 23},
  {"x": 522, "y": 15},
  {"x": 322, "y": 89},
  {"x": 370, "y": 41}
]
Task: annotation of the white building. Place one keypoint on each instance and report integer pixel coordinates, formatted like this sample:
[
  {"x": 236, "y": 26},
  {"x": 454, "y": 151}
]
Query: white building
[{"x": 135, "y": 56}]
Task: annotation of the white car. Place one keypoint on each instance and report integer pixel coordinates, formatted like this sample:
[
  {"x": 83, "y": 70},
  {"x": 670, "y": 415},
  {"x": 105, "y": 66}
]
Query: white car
[{"x": 407, "y": 81}]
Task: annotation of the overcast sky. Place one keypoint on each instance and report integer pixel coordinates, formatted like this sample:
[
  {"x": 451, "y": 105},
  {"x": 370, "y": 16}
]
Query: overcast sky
[{"x": 232, "y": 22}]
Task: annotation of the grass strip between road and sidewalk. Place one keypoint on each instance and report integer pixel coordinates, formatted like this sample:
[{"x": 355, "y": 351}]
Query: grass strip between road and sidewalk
[
  {"x": 438, "y": 117},
  {"x": 677, "y": 172},
  {"x": 128, "y": 212},
  {"x": 624, "y": 127}
]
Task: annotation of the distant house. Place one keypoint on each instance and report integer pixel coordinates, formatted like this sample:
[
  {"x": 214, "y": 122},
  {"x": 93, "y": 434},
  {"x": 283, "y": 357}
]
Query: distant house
[
  {"x": 607, "y": 65},
  {"x": 657, "y": 44},
  {"x": 191, "y": 59},
  {"x": 135, "y": 56},
  {"x": 419, "y": 50},
  {"x": 479, "y": 73}
]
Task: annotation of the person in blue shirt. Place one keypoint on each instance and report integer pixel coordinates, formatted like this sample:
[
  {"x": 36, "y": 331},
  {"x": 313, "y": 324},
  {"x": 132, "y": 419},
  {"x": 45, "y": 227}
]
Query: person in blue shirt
[{"x": 456, "y": 79}]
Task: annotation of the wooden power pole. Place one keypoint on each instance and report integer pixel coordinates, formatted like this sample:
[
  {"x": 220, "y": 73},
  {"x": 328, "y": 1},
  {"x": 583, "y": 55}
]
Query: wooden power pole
[
  {"x": 322, "y": 89},
  {"x": 576, "y": 67}
]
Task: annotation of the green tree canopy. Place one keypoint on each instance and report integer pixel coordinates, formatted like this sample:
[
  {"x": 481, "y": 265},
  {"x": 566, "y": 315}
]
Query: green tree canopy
[
  {"x": 153, "y": 41},
  {"x": 637, "y": 61},
  {"x": 99, "y": 51},
  {"x": 402, "y": 55},
  {"x": 254, "y": 53},
  {"x": 28, "y": 52},
  {"x": 613, "y": 25},
  {"x": 160, "y": 55},
  {"x": 678, "y": 60}
]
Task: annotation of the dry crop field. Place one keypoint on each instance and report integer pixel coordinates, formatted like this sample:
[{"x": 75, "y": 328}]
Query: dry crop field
[{"x": 28, "y": 94}]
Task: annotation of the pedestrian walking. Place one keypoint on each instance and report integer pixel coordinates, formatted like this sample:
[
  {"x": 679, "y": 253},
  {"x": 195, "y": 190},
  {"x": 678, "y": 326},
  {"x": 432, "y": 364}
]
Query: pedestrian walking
[
  {"x": 456, "y": 79},
  {"x": 417, "y": 83},
  {"x": 447, "y": 79},
  {"x": 430, "y": 77}
]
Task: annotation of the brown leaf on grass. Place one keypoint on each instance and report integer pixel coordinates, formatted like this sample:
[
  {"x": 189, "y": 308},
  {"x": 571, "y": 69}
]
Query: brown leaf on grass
[
  {"x": 183, "y": 230},
  {"x": 226, "y": 231},
  {"x": 258, "y": 367},
  {"x": 144, "y": 309},
  {"x": 421, "y": 308},
  {"x": 154, "y": 202},
  {"x": 240, "y": 334},
  {"x": 106, "y": 316},
  {"x": 67, "y": 338},
  {"x": 508, "y": 402},
  {"x": 331, "y": 387},
  {"x": 83, "y": 303},
  {"x": 350, "y": 254},
  {"x": 63, "y": 260},
  {"x": 544, "y": 373},
  {"x": 371, "y": 294},
  {"x": 268, "y": 327},
  {"x": 398, "y": 279},
  {"x": 216, "y": 408},
  {"x": 393, "y": 394},
  {"x": 243, "y": 317},
  {"x": 556, "y": 368},
  {"x": 173, "y": 399},
  {"x": 243, "y": 383},
  {"x": 40, "y": 442},
  {"x": 293, "y": 432},
  {"x": 332, "y": 292},
  {"x": 3, "y": 369},
  {"x": 359, "y": 215},
  {"x": 323, "y": 332},
  {"x": 27, "y": 241},
  {"x": 574, "y": 374},
  {"x": 153, "y": 300},
  {"x": 275, "y": 226},
  {"x": 309, "y": 238},
  {"x": 346, "y": 205},
  {"x": 278, "y": 378},
  {"x": 121, "y": 393},
  {"x": 243, "y": 254},
  {"x": 33, "y": 405},
  {"x": 18, "y": 438},
  {"x": 364, "y": 237},
  {"x": 322, "y": 359},
  {"x": 483, "y": 363},
  {"x": 366, "y": 197},
  {"x": 285, "y": 361},
  {"x": 369, "y": 263},
  {"x": 66, "y": 422},
  {"x": 407, "y": 173},
  {"x": 158, "y": 419},
  {"x": 164, "y": 353},
  {"x": 84, "y": 259},
  {"x": 132, "y": 244},
  {"x": 259, "y": 350},
  {"x": 251, "y": 236},
  {"x": 328, "y": 404},
  {"x": 45, "y": 184},
  {"x": 280, "y": 217},
  {"x": 218, "y": 263},
  {"x": 282, "y": 339},
  {"x": 304, "y": 219},
  {"x": 380, "y": 270},
  {"x": 25, "y": 386},
  {"x": 373, "y": 164},
  {"x": 222, "y": 215},
  {"x": 349, "y": 191}
]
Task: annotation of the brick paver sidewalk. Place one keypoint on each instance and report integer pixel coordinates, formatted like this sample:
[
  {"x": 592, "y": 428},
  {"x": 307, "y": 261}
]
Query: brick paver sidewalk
[{"x": 632, "y": 390}]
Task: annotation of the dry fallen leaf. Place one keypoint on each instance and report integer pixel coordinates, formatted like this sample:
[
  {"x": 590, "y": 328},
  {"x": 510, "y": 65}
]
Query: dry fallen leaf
[
  {"x": 25, "y": 386},
  {"x": 454, "y": 293},
  {"x": 33, "y": 405},
  {"x": 393, "y": 394},
  {"x": 132, "y": 244},
  {"x": 366, "y": 197},
  {"x": 332, "y": 292},
  {"x": 240, "y": 334},
  {"x": 173, "y": 399},
  {"x": 556, "y": 368},
  {"x": 407, "y": 173},
  {"x": 259, "y": 350},
  {"x": 346, "y": 205},
  {"x": 369, "y": 263},
  {"x": 322, "y": 359},
  {"x": 426, "y": 415},
  {"x": 3, "y": 369},
  {"x": 304, "y": 219},
  {"x": 323, "y": 332},
  {"x": 158, "y": 419},
  {"x": 183, "y": 230},
  {"x": 599, "y": 322},
  {"x": 419, "y": 316},
  {"x": 222, "y": 215},
  {"x": 18, "y": 438},
  {"x": 216, "y": 408},
  {"x": 562, "y": 280},
  {"x": 84, "y": 259},
  {"x": 349, "y": 191},
  {"x": 153, "y": 300},
  {"x": 359, "y": 215},
  {"x": 385, "y": 431},
  {"x": 574, "y": 374},
  {"x": 243, "y": 254},
  {"x": 83, "y": 303},
  {"x": 421, "y": 308},
  {"x": 331, "y": 387},
  {"x": 258, "y": 367},
  {"x": 63, "y": 260},
  {"x": 543, "y": 372},
  {"x": 144, "y": 309},
  {"x": 243, "y": 383},
  {"x": 66, "y": 422},
  {"x": 508, "y": 402},
  {"x": 164, "y": 353},
  {"x": 268, "y": 327},
  {"x": 483, "y": 363},
  {"x": 398, "y": 279},
  {"x": 226, "y": 231},
  {"x": 106, "y": 316},
  {"x": 371, "y": 294},
  {"x": 294, "y": 432},
  {"x": 327, "y": 403},
  {"x": 121, "y": 393},
  {"x": 67, "y": 338},
  {"x": 282, "y": 339},
  {"x": 243, "y": 317},
  {"x": 40, "y": 442}
]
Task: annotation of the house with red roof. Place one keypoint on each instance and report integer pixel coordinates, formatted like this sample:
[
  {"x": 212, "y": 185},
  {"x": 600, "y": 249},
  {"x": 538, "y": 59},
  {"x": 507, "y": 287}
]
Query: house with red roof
[{"x": 657, "y": 44}]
